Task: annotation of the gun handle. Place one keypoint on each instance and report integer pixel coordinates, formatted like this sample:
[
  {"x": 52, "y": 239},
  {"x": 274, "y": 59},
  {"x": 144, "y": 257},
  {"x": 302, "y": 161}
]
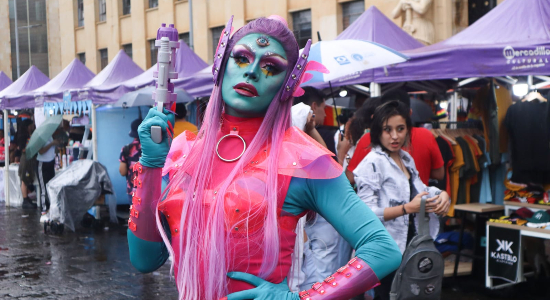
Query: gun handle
[{"x": 156, "y": 134}]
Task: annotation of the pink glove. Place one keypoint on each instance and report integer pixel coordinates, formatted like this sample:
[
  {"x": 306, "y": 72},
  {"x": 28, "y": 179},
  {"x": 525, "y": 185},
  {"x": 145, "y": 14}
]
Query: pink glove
[
  {"x": 349, "y": 281},
  {"x": 148, "y": 184}
]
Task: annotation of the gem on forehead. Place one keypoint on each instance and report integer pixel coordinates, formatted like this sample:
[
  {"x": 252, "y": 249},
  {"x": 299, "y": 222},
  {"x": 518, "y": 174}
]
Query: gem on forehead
[{"x": 262, "y": 41}]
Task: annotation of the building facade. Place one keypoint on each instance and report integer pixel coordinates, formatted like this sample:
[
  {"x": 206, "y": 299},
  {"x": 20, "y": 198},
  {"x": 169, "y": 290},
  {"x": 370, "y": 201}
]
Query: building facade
[{"x": 95, "y": 30}]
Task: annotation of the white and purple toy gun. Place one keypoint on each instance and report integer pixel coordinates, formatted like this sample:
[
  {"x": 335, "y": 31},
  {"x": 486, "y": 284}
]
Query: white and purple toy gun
[{"x": 167, "y": 42}]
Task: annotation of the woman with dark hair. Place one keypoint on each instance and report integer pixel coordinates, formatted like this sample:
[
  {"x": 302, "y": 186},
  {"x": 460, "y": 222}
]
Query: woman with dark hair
[
  {"x": 237, "y": 189},
  {"x": 388, "y": 181}
]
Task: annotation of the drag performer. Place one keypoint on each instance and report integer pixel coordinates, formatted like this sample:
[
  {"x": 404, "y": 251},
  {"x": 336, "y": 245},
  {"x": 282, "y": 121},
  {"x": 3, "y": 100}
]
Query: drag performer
[{"x": 236, "y": 190}]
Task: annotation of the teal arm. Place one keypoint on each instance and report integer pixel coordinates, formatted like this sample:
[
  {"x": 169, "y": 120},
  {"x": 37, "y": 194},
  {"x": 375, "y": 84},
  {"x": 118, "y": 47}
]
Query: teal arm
[
  {"x": 335, "y": 200},
  {"x": 147, "y": 256}
]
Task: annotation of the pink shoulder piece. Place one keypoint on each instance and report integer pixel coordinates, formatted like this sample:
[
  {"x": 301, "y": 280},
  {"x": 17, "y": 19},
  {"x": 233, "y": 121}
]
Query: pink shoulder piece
[
  {"x": 301, "y": 156},
  {"x": 179, "y": 150}
]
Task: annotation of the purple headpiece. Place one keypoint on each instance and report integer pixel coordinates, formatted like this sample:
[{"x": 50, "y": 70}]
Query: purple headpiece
[
  {"x": 220, "y": 50},
  {"x": 297, "y": 76}
]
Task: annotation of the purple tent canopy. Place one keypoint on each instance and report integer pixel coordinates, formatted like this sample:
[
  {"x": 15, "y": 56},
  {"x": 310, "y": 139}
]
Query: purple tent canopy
[
  {"x": 374, "y": 26},
  {"x": 5, "y": 81},
  {"x": 73, "y": 77},
  {"x": 198, "y": 85},
  {"x": 187, "y": 63},
  {"x": 29, "y": 81},
  {"x": 512, "y": 39},
  {"x": 120, "y": 69}
]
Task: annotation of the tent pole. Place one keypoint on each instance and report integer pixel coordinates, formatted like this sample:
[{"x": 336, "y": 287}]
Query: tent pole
[
  {"x": 191, "y": 39},
  {"x": 375, "y": 90},
  {"x": 7, "y": 158},
  {"x": 94, "y": 132},
  {"x": 530, "y": 82},
  {"x": 16, "y": 40},
  {"x": 454, "y": 100}
]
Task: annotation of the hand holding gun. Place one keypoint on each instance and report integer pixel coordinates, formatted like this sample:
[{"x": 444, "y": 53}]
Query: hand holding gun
[{"x": 167, "y": 41}]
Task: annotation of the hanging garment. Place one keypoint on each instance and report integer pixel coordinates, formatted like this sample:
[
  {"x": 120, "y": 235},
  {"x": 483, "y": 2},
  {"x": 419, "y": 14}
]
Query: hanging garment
[{"x": 527, "y": 123}]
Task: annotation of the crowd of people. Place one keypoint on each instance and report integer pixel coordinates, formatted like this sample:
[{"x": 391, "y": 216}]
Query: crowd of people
[{"x": 390, "y": 163}]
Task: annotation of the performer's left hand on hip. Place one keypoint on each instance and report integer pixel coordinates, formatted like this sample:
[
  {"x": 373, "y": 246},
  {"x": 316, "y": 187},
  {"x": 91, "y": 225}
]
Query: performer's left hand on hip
[{"x": 264, "y": 290}]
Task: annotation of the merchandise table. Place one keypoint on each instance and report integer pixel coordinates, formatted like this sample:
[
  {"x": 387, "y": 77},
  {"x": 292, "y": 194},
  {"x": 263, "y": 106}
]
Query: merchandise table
[
  {"x": 16, "y": 199},
  {"x": 511, "y": 206},
  {"x": 479, "y": 209},
  {"x": 524, "y": 231}
]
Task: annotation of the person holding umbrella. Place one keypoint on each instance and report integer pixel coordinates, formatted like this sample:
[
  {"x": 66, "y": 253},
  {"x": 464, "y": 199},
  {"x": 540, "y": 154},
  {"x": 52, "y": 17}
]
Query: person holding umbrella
[{"x": 42, "y": 144}]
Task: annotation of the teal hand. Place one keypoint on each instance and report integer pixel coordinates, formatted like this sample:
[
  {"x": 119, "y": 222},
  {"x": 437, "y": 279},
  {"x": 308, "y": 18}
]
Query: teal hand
[
  {"x": 153, "y": 155},
  {"x": 264, "y": 290}
]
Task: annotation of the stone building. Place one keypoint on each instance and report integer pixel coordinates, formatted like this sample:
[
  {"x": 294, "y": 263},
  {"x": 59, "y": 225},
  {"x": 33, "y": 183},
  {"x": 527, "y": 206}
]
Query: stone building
[{"x": 94, "y": 30}]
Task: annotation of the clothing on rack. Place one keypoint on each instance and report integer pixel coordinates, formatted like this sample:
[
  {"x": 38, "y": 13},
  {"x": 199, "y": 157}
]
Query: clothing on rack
[{"x": 528, "y": 125}]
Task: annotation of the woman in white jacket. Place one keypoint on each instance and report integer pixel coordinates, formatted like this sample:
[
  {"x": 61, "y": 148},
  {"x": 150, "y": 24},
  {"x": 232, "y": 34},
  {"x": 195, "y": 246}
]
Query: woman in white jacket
[{"x": 388, "y": 182}]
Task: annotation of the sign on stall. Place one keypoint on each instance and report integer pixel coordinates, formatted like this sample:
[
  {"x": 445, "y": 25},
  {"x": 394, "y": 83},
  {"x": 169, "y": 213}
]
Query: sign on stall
[{"x": 504, "y": 247}]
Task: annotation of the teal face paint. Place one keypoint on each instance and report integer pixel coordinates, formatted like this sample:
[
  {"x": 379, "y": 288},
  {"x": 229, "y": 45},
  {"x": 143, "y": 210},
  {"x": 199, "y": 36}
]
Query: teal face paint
[{"x": 253, "y": 75}]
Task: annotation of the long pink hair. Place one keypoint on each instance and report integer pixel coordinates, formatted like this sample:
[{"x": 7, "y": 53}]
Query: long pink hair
[{"x": 204, "y": 257}]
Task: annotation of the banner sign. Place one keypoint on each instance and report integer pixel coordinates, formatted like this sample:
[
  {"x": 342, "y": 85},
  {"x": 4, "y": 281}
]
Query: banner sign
[
  {"x": 504, "y": 246},
  {"x": 68, "y": 106}
]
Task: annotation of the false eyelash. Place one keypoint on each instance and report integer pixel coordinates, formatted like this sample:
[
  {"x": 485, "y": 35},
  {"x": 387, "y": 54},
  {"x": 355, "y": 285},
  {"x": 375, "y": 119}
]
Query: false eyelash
[{"x": 265, "y": 37}]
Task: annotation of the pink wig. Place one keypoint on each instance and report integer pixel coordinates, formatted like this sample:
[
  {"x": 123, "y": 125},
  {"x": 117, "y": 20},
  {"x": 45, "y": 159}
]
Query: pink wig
[{"x": 204, "y": 257}]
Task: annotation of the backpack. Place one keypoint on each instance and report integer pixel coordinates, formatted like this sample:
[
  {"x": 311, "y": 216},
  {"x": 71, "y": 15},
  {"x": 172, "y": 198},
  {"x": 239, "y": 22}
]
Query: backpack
[{"x": 420, "y": 274}]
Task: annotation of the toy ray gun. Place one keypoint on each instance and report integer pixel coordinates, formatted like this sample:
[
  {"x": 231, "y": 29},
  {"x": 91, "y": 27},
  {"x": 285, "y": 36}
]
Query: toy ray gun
[{"x": 167, "y": 42}]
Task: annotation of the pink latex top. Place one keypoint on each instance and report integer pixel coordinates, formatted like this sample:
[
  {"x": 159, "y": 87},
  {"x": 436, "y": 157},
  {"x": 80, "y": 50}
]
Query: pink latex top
[
  {"x": 244, "y": 202},
  {"x": 300, "y": 156}
]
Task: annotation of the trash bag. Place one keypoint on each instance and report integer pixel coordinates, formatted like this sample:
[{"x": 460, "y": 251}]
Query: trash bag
[{"x": 73, "y": 191}]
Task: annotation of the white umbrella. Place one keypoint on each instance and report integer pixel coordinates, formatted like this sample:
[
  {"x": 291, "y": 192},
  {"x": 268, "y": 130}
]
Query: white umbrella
[{"x": 346, "y": 57}]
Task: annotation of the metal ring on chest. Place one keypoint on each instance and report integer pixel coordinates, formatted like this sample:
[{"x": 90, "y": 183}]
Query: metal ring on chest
[{"x": 234, "y": 159}]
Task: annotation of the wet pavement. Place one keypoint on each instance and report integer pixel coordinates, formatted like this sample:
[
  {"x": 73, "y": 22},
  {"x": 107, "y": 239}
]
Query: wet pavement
[
  {"x": 88, "y": 264},
  {"x": 94, "y": 264}
]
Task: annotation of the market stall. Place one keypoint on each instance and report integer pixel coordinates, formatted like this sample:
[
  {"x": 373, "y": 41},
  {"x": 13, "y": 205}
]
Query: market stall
[
  {"x": 511, "y": 40},
  {"x": 5, "y": 81},
  {"x": 187, "y": 64},
  {"x": 9, "y": 96}
]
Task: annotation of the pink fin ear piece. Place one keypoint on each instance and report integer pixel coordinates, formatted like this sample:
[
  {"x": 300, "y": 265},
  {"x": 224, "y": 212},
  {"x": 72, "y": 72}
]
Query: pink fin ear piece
[
  {"x": 220, "y": 50},
  {"x": 311, "y": 66},
  {"x": 298, "y": 75},
  {"x": 316, "y": 66},
  {"x": 298, "y": 91}
]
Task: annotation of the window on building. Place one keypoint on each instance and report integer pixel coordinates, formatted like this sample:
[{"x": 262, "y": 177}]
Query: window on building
[
  {"x": 185, "y": 37},
  {"x": 478, "y": 8},
  {"x": 128, "y": 49},
  {"x": 103, "y": 58},
  {"x": 32, "y": 48},
  {"x": 80, "y": 12},
  {"x": 216, "y": 33},
  {"x": 126, "y": 7},
  {"x": 40, "y": 11},
  {"x": 153, "y": 3},
  {"x": 351, "y": 11},
  {"x": 153, "y": 50},
  {"x": 102, "y": 10},
  {"x": 82, "y": 57},
  {"x": 301, "y": 24}
]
